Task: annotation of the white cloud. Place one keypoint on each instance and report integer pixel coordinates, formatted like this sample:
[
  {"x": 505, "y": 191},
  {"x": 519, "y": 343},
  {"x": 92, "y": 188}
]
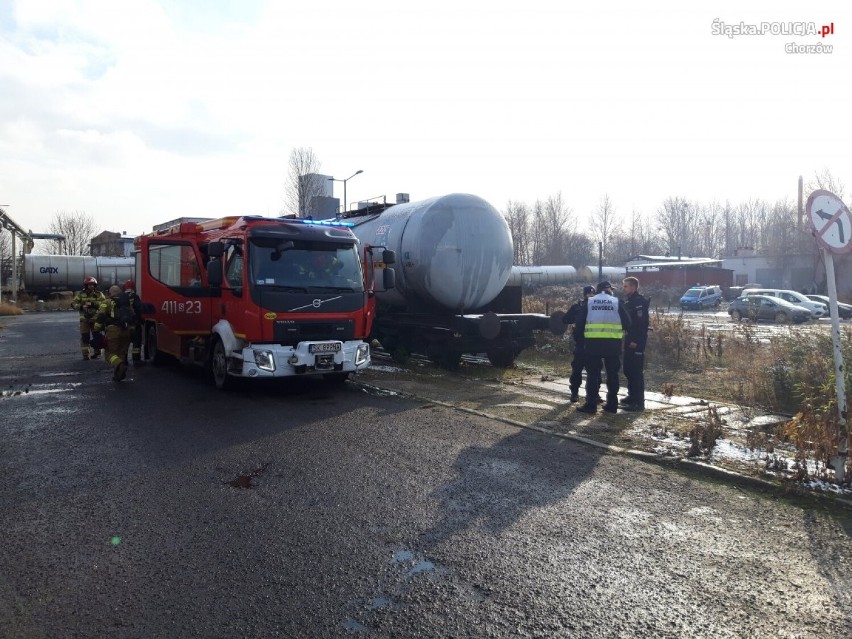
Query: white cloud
[{"x": 148, "y": 110}]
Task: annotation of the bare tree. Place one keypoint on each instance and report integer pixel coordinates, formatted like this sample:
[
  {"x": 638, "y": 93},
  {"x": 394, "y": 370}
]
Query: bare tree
[
  {"x": 78, "y": 228},
  {"x": 825, "y": 180},
  {"x": 603, "y": 222},
  {"x": 5, "y": 256},
  {"x": 552, "y": 220},
  {"x": 579, "y": 249},
  {"x": 518, "y": 217},
  {"x": 5, "y": 244},
  {"x": 749, "y": 219},
  {"x": 303, "y": 183},
  {"x": 780, "y": 237},
  {"x": 676, "y": 221}
]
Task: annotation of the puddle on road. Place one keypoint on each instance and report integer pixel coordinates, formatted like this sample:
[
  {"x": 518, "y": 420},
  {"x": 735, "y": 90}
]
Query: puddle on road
[
  {"x": 351, "y": 625},
  {"x": 60, "y": 374},
  {"x": 379, "y": 603},
  {"x": 420, "y": 566},
  {"x": 403, "y": 555},
  {"x": 378, "y": 392},
  {"x": 39, "y": 389}
]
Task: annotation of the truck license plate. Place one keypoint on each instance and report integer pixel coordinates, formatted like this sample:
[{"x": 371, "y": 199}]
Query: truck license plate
[{"x": 325, "y": 347}]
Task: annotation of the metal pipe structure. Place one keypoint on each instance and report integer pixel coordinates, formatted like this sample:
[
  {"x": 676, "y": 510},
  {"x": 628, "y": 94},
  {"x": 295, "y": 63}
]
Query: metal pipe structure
[
  {"x": 345, "y": 203},
  {"x": 17, "y": 231}
]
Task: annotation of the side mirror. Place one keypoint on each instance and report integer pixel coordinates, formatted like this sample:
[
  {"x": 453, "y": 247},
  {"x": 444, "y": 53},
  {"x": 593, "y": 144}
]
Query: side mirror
[
  {"x": 214, "y": 270},
  {"x": 388, "y": 277},
  {"x": 215, "y": 249},
  {"x": 389, "y": 257}
]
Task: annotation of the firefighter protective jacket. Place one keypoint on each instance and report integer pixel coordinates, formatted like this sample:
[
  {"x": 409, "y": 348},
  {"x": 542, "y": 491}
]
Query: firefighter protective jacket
[{"x": 88, "y": 302}]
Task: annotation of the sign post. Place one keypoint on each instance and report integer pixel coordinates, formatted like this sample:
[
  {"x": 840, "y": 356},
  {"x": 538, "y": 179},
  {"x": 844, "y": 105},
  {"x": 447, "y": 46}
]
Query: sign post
[{"x": 832, "y": 228}]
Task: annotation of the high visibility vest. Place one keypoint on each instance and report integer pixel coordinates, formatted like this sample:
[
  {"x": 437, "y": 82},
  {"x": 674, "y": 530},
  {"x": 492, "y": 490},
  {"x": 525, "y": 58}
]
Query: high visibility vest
[{"x": 602, "y": 319}]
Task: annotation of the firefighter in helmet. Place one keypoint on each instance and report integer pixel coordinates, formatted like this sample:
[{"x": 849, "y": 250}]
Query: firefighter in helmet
[
  {"x": 115, "y": 317},
  {"x": 87, "y": 302},
  {"x": 323, "y": 265},
  {"x": 136, "y": 329}
]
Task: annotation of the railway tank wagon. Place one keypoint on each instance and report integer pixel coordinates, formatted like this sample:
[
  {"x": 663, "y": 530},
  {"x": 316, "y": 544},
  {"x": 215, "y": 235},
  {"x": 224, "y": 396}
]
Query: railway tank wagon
[
  {"x": 454, "y": 257},
  {"x": 45, "y": 274}
]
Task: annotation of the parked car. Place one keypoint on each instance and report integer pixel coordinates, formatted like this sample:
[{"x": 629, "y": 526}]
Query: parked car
[
  {"x": 765, "y": 307},
  {"x": 844, "y": 310},
  {"x": 732, "y": 293},
  {"x": 699, "y": 297},
  {"x": 817, "y": 309}
]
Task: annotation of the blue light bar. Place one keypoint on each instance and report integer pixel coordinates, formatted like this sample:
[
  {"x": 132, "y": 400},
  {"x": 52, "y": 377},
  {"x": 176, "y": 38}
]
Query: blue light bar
[{"x": 324, "y": 222}]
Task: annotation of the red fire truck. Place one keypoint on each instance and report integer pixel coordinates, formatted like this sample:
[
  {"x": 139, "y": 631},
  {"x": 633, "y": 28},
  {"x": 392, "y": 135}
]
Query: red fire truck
[{"x": 257, "y": 297}]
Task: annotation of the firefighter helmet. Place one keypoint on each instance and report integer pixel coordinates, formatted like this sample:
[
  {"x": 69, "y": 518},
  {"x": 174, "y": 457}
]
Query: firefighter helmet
[
  {"x": 90, "y": 280},
  {"x": 129, "y": 285}
]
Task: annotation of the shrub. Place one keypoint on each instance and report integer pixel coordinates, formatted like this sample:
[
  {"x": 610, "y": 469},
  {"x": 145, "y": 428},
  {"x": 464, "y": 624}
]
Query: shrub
[
  {"x": 705, "y": 433},
  {"x": 10, "y": 309}
]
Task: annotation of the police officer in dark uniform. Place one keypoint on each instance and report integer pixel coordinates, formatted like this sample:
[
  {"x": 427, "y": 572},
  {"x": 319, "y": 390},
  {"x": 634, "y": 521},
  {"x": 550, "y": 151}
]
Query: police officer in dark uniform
[
  {"x": 604, "y": 321},
  {"x": 637, "y": 307},
  {"x": 577, "y": 362}
]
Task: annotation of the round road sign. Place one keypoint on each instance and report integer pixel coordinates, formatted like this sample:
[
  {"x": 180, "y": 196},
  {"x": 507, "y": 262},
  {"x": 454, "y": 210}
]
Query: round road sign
[{"x": 830, "y": 220}]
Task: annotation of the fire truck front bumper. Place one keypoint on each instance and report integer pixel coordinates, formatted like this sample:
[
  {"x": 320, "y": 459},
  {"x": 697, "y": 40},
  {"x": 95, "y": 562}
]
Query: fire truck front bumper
[{"x": 306, "y": 358}]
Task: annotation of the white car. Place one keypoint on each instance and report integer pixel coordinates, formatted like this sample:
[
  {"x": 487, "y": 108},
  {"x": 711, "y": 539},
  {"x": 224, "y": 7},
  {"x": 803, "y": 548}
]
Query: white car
[{"x": 817, "y": 309}]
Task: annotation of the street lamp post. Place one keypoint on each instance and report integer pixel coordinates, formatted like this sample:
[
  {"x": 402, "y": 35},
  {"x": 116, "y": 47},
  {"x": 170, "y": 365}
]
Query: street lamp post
[{"x": 345, "y": 204}]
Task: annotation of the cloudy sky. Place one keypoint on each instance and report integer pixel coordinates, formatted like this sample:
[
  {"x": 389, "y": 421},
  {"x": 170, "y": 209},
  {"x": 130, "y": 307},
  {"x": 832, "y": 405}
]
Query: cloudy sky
[{"x": 140, "y": 111}]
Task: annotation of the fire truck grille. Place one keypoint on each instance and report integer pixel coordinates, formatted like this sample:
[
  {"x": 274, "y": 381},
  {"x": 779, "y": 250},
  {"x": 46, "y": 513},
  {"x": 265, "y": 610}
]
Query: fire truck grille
[{"x": 291, "y": 333}]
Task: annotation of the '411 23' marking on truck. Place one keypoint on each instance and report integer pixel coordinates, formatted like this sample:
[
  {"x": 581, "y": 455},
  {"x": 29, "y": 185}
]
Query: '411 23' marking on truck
[{"x": 173, "y": 306}]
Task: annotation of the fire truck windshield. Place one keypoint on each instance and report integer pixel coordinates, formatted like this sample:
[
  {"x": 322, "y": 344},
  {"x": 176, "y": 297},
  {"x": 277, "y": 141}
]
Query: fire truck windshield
[{"x": 306, "y": 266}]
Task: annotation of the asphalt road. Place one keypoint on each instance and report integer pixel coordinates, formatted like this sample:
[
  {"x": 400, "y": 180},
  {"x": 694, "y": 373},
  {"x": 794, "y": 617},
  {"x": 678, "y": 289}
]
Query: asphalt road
[{"x": 159, "y": 507}]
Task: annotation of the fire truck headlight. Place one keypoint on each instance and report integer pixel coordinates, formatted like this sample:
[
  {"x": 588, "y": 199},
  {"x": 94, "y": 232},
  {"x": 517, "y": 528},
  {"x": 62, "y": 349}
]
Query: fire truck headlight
[
  {"x": 361, "y": 354},
  {"x": 264, "y": 360}
]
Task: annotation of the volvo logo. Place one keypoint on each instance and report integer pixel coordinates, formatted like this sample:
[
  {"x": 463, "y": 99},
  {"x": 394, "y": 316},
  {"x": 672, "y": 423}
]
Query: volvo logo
[{"x": 316, "y": 303}]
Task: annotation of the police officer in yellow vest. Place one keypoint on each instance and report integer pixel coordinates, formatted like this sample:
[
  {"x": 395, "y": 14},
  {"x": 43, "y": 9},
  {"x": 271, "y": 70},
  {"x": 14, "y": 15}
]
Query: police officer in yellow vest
[{"x": 603, "y": 323}]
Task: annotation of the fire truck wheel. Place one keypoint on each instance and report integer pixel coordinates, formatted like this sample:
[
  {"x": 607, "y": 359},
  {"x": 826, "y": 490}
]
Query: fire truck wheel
[
  {"x": 151, "y": 351},
  {"x": 219, "y": 367}
]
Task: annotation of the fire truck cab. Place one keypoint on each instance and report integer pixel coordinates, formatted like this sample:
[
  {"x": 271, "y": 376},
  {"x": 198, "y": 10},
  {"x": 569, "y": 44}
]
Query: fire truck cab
[{"x": 256, "y": 297}]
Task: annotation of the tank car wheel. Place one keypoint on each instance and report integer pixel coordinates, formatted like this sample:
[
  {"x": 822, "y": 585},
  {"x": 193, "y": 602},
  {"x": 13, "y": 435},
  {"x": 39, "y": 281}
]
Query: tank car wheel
[
  {"x": 395, "y": 347},
  {"x": 443, "y": 356},
  {"x": 219, "y": 367},
  {"x": 501, "y": 357},
  {"x": 400, "y": 355}
]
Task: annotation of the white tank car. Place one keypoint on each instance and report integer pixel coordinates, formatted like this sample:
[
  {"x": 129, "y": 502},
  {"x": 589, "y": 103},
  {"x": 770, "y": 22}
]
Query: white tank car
[
  {"x": 453, "y": 252},
  {"x": 453, "y": 260},
  {"x": 527, "y": 275},
  {"x": 46, "y": 273}
]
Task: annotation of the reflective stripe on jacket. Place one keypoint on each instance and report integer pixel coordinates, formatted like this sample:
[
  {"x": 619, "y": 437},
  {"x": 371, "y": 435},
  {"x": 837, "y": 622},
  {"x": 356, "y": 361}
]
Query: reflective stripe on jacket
[{"x": 603, "y": 320}]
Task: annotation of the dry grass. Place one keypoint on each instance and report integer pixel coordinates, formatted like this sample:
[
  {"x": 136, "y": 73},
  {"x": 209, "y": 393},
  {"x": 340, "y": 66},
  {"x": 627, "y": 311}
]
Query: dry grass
[
  {"x": 790, "y": 372},
  {"x": 7, "y": 309}
]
